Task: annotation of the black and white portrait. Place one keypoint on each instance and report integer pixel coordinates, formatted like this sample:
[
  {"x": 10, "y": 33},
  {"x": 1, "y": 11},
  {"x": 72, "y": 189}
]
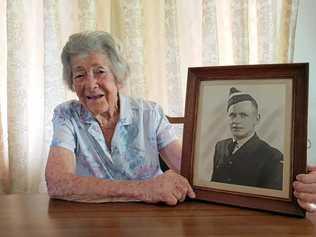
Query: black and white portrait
[
  {"x": 243, "y": 130},
  {"x": 244, "y": 158}
]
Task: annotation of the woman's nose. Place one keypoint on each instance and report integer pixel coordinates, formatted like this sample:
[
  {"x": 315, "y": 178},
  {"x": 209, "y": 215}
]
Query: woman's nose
[{"x": 91, "y": 81}]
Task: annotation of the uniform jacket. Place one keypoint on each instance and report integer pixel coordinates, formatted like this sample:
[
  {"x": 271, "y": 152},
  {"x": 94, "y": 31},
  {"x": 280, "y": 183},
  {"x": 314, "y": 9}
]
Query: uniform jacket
[{"x": 255, "y": 163}]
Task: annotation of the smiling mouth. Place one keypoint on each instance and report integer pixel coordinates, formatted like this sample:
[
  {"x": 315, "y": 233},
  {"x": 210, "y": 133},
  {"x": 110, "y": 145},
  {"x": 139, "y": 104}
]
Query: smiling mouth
[{"x": 94, "y": 97}]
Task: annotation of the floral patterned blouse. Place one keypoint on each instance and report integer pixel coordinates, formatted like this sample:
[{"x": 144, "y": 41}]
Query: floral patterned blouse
[{"x": 142, "y": 130}]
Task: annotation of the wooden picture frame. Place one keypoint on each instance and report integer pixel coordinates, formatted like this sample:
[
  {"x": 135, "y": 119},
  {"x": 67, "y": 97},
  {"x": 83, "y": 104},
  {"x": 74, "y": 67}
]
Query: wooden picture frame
[{"x": 281, "y": 92}]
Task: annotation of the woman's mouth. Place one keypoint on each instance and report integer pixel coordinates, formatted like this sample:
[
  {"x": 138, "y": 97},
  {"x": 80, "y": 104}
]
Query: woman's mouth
[{"x": 94, "y": 97}]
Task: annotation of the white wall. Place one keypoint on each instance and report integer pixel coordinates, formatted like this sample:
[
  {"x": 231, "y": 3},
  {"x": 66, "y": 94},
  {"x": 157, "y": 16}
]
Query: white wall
[{"x": 305, "y": 51}]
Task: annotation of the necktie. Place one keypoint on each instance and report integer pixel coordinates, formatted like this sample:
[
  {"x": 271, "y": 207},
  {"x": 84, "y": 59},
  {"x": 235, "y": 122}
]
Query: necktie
[{"x": 232, "y": 147}]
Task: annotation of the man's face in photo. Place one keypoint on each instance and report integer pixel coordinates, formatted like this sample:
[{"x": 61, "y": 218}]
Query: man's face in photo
[{"x": 243, "y": 118}]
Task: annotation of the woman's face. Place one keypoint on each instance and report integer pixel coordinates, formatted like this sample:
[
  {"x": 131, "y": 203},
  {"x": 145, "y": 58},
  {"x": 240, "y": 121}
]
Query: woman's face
[{"x": 94, "y": 82}]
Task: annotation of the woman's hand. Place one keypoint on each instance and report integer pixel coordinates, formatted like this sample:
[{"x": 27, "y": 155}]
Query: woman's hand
[
  {"x": 169, "y": 188},
  {"x": 305, "y": 189}
]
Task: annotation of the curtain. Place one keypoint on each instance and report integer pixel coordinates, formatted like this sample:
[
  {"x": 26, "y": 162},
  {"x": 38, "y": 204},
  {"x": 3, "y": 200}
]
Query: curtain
[{"x": 161, "y": 38}]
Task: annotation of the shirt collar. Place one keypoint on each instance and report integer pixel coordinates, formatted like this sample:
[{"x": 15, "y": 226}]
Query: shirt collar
[
  {"x": 244, "y": 140},
  {"x": 126, "y": 112},
  {"x": 85, "y": 115}
]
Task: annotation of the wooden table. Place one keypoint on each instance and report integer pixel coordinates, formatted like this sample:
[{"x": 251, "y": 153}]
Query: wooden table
[{"x": 37, "y": 215}]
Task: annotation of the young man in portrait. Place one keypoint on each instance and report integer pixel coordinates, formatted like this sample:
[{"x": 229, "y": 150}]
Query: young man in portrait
[{"x": 245, "y": 159}]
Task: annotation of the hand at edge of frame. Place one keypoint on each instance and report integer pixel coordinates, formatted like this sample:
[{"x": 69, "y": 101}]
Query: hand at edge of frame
[
  {"x": 305, "y": 189},
  {"x": 169, "y": 187}
]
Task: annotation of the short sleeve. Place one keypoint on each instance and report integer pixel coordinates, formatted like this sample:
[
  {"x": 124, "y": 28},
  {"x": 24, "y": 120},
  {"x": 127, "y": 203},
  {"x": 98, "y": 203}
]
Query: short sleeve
[
  {"x": 63, "y": 131},
  {"x": 165, "y": 131}
]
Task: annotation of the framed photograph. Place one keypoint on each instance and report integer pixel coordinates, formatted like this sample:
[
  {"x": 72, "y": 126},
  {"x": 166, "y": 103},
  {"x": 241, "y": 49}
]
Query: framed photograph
[{"x": 245, "y": 134}]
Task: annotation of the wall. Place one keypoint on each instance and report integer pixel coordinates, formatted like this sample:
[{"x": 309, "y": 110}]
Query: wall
[{"x": 305, "y": 51}]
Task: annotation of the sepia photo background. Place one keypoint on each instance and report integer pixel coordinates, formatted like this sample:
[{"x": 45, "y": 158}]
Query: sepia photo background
[{"x": 274, "y": 98}]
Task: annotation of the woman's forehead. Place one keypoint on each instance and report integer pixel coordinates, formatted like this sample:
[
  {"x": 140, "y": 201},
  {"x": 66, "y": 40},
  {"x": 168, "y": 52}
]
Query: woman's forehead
[{"x": 89, "y": 60}]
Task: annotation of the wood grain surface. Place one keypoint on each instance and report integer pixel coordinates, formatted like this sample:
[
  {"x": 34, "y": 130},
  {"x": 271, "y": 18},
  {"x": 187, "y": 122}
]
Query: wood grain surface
[{"x": 37, "y": 215}]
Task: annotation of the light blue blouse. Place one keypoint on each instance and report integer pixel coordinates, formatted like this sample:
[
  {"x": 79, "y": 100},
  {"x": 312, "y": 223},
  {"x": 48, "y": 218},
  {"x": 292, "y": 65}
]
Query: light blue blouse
[{"x": 142, "y": 130}]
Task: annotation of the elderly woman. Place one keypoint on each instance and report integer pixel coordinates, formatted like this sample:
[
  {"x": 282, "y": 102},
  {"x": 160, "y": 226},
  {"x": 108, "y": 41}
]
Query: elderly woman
[{"x": 106, "y": 146}]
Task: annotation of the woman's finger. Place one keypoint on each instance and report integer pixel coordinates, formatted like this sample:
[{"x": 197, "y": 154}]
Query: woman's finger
[
  {"x": 305, "y": 197},
  {"x": 306, "y": 188},
  {"x": 178, "y": 195},
  {"x": 189, "y": 189},
  {"x": 307, "y": 178},
  {"x": 311, "y": 168},
  {"x": 310, "y": 207}
]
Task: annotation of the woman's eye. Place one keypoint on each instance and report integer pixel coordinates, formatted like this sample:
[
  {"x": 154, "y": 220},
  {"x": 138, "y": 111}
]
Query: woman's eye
[
  {"x": 78, "y": 76},
  {"x": 101, "y": 71}
]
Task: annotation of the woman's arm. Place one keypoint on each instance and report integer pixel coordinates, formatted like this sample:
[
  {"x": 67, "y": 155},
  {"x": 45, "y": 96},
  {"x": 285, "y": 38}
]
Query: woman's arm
[
  {"x": 171, "y": 154},
  {"x": 63, "y": 183}
]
